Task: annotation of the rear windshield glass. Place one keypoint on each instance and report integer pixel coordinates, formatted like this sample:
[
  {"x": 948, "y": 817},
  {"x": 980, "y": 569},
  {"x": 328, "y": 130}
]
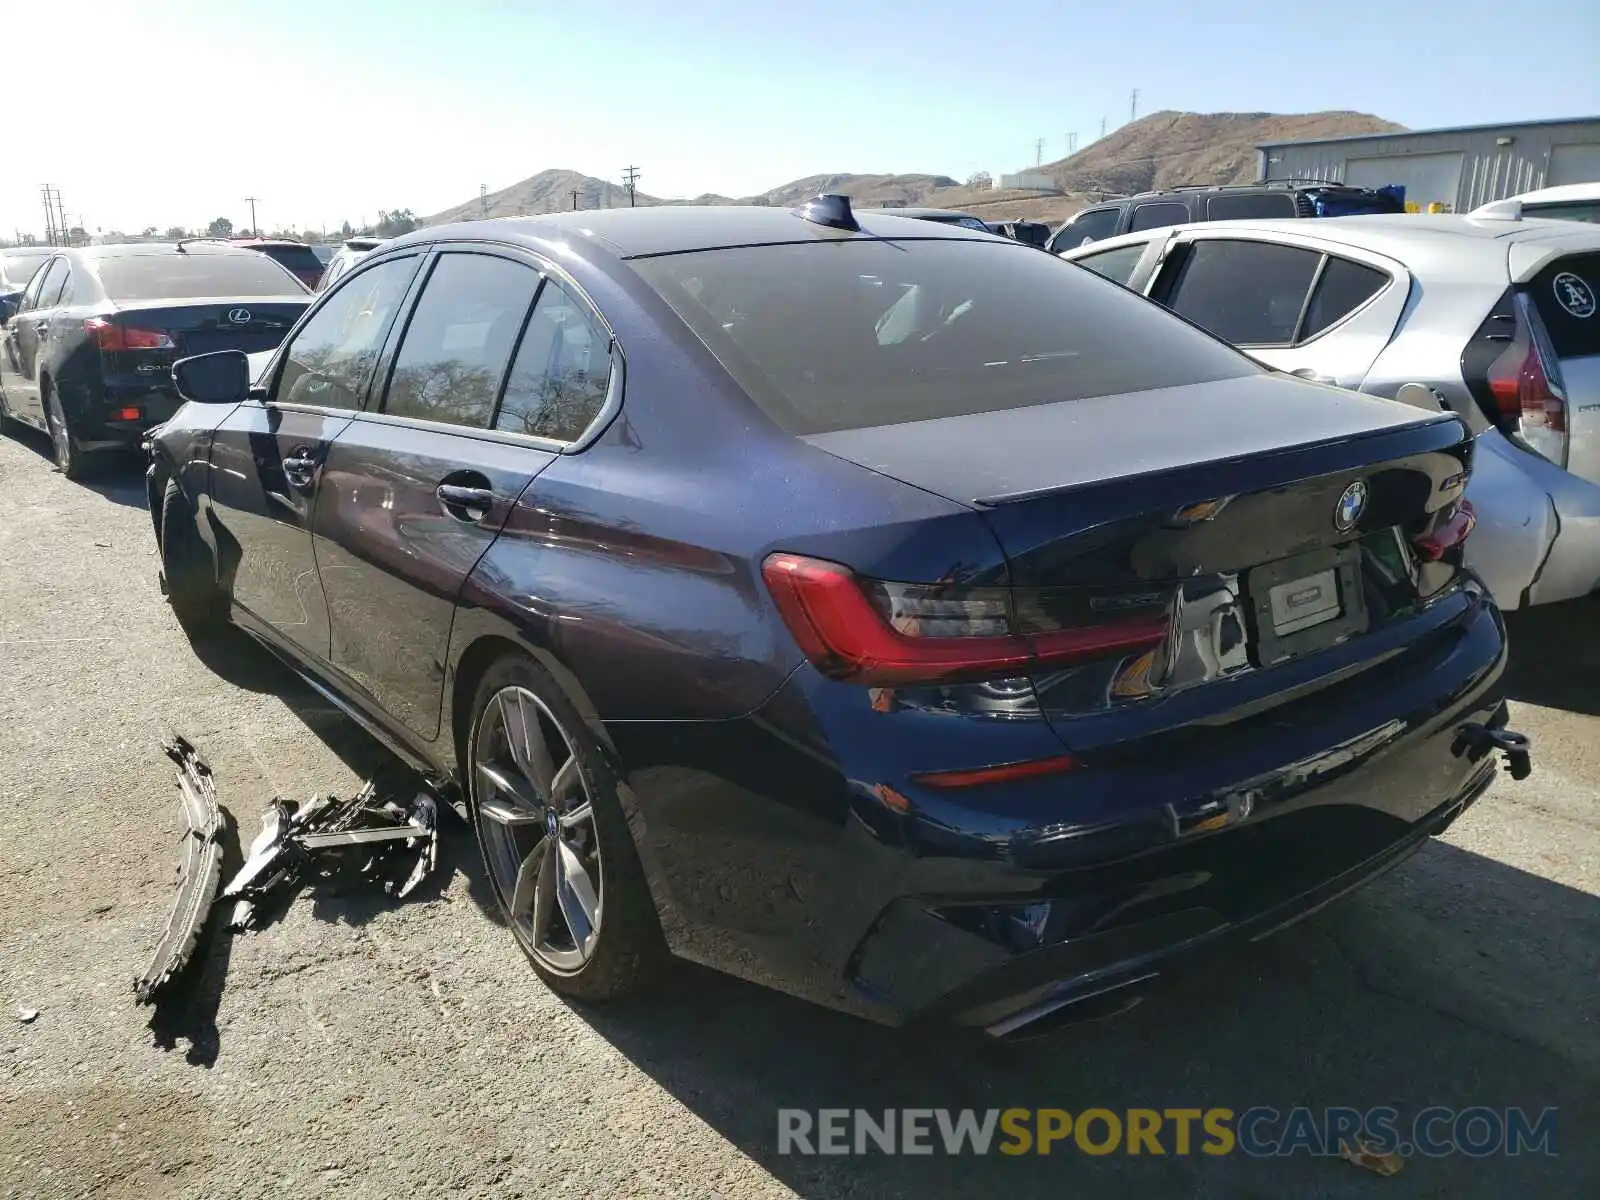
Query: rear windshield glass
[
  {"x": 18, "y": 266},
  {"x": 1249, "y": 207},
  {"x": 172, "y": 276},
  {"x": 851, "y": 334},
  {"x": 1580, "y": 210},
  {"x": 299, "y": 259},
  {"x": 1567, "y": 295}
]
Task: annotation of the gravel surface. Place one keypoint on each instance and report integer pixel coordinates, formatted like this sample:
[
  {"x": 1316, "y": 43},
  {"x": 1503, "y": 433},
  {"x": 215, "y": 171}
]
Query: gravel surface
[{"x": 359, "y": 1049}]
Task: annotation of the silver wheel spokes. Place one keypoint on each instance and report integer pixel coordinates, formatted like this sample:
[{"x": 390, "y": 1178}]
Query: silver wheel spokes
[{"x": 537, "y": 822}]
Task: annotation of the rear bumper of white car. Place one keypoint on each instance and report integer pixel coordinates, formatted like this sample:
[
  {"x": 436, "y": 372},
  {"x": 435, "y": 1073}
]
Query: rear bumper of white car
[{"x": 1538, "y": 534}]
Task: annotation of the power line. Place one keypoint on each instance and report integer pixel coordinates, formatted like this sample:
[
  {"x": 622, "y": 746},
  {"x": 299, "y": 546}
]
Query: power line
[
  {"x": 630, "y": 180},
  {"x": 575, "y": 193}
]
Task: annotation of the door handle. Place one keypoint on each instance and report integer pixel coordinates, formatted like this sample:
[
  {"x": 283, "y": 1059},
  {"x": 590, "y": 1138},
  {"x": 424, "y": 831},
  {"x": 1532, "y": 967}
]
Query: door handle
[
  {"x": 299, "y": 467},
  {"x": 465, "y": 503}
]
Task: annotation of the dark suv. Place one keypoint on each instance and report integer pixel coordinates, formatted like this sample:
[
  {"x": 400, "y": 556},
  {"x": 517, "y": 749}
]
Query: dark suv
[{"x": 1237, "y": 202}]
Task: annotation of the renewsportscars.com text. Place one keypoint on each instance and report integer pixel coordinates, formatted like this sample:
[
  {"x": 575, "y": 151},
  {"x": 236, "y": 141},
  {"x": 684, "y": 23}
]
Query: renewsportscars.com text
[{"x": 1259, "y": 1132}]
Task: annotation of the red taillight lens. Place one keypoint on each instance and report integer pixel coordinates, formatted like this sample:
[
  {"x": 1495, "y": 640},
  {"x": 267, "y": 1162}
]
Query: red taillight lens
[
  {"x": 887, "y": 634},
  {"x": 1448, "y": 534},
  {"x": 1527, "y": 386},
  {"x": 110, "y": 336}
]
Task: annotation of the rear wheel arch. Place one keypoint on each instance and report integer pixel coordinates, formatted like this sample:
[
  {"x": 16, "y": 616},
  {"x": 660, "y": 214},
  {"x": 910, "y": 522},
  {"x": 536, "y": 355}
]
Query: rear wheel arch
[{"x": 475, "y": 662}]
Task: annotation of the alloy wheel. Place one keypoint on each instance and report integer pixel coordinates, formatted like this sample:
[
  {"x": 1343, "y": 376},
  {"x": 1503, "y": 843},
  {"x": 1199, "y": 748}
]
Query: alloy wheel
[
  {"x": 536, "y": 821},
  {"x": 57, "y": 420}
]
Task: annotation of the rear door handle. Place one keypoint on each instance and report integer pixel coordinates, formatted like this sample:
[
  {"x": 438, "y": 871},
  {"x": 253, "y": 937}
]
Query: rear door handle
[
  {"x": 465, "y": 503},
  {"x": 300, "y": 466}
]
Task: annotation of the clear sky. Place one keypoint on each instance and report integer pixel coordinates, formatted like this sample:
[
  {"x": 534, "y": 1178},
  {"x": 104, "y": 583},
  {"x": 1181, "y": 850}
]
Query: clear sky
[{"x": 161, "y": 112}]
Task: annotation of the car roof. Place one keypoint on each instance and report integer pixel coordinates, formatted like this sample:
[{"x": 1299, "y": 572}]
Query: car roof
[
  {"x": 677, "y": 228},
  {"x": 136, "y": 249},
  {"x": 920, "y": 214}
]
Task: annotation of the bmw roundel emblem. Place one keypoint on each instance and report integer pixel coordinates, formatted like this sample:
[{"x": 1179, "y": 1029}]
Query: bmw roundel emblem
[{"x": 1352, "y": 503}]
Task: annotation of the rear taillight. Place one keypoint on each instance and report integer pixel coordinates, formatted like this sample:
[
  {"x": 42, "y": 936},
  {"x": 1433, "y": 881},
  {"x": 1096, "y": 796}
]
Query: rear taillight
[
  {"x": 1525, "y": 381},
  {"x": 884, "y": 634},
  {"x": 111, "y": 336}
]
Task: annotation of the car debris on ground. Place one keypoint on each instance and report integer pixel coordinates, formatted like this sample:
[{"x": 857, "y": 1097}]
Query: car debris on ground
[
  {"x": 396, "y": 843},
  {"x": 199, "y": 870},
  {"x": 291, "y": 835}
]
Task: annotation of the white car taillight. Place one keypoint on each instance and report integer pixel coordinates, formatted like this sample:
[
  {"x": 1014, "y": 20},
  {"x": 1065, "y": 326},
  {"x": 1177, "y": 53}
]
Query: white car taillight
[{"x": 1526, "y": 384}]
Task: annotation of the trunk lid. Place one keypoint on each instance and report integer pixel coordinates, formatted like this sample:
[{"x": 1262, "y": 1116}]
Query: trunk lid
[
  {"x": 139, "y": 341},
  {"x": 1255, "y": 520}
]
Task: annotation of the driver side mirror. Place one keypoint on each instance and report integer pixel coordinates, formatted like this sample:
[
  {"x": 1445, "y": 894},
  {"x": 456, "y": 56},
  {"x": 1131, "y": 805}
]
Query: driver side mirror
[{"x": 222, "y": 377}]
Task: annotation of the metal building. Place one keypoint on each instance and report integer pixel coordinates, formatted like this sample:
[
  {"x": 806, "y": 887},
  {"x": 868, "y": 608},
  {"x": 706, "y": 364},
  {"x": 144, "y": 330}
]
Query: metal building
[{"x": 1459, "y": 168}]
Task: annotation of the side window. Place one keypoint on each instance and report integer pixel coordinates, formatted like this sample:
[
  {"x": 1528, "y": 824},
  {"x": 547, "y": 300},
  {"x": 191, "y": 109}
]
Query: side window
[
  {"x": 1158, "y": 215},
  {"x": 1087, "y": 227},
  {"x": 1249, "y": 207},
  {"x": 1117, "y": 264},
  {"x": 1247, "y": 293},
  {"x": 329, "y": 360},
  {"x": 558, "y": 383},
  {"x": 1344, "y": 287},
  {"x": 65, "y": 297},
  {"x": 459, "y": 340},
  {"x": 47, "y": 285}
]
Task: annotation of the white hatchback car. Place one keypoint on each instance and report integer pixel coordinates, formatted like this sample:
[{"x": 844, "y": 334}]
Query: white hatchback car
[{"x": 1495, "y": 316}]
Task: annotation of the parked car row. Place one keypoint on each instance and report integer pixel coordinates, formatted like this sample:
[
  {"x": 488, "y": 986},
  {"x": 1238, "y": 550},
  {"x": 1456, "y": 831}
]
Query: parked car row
[{"x": 948, "y": 634}]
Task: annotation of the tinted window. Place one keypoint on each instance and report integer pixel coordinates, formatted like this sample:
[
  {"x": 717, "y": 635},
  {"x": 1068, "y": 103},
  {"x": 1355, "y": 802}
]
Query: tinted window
[
  {"x": 1248, "y": 293},
  {"x": 50, "y": 285},
  {"x": 302, "y": 260},
  {"x": 843, "y": 335},
  {"x": 1564, "y": 212},
  {"x": 168, "y": 275},
  {"x": 459, "y": 340},
  {"x": 558, "y": 383},
  {"x": 1247, "y": 207},
  {"x": 17, "y": 266},
  {"x": 1344, "y": 287},
  {"x": 1115, "y": 264},
  {"x": 1564, "y": 293},
  {"x": 328, "y": 362},
  {"x": 1087, "y": 227},
  {"x": 1157, "y": 216}
]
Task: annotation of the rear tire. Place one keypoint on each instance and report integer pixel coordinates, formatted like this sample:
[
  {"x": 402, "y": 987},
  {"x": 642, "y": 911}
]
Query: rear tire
[
  {"x": 188, "y": 567},
  {"x": 9, "y": 425},
  {"x": 70, "y": 460},
  {"x": 578, "y": 821}
]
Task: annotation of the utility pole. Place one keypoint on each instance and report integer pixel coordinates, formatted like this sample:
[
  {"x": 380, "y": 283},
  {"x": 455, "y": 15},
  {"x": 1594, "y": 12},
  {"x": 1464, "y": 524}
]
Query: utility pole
[
  {"x": 1102, "y": 127},
  {"x": 1038, "y": 152},
  {"x": 575, "y": 193},
  {"x": 630, "y": 180},
  {"x": 251, "y": 201},
  {"x": 1072, "y": 144},
  {"x": 483, "y": 199},
  {"x": 1133, "y": 106}
]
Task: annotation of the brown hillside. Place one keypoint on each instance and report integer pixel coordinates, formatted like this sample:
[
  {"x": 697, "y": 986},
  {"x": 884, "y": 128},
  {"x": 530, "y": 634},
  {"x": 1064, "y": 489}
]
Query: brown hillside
[
  {"x": 864, "y": 190},
  {"x": 548, "y": 191},
  {"x": 1166, "y": 149}
]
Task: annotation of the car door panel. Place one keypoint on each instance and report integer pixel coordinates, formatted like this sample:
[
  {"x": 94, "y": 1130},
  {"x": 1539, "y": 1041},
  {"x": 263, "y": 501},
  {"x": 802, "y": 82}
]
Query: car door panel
[
  {"x": 393, "y": 553},
  {"x": 266, "y": 463},
  {"x": 30, "y": 337},
  {"x": 269, "y": 454}
]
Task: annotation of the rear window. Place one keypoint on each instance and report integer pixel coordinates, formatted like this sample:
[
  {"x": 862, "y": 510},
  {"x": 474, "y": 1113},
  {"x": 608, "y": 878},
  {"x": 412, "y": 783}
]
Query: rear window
[
  {"x": 1158, "y": 216},
  {"x": 1580, "y": 210},
  {"x": 853, "y": 334},
  {"x": 1250, "y": 207},
  {"x": 302, "y": 260},
  {"x": 174, "y": 276},
  {"x": 1566, "y": 293}
]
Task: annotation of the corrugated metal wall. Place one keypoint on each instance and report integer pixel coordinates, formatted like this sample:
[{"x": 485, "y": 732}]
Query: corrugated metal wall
[{"x": 1488, "y": 171}]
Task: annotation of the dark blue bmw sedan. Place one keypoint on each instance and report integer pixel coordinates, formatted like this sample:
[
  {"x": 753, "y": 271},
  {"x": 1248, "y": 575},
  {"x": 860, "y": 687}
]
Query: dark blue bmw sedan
[{"x": 878, "y": 610}]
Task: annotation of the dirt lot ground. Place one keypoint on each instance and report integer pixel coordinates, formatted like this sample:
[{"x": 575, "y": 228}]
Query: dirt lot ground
[{"x": 361, "y": 1050}]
